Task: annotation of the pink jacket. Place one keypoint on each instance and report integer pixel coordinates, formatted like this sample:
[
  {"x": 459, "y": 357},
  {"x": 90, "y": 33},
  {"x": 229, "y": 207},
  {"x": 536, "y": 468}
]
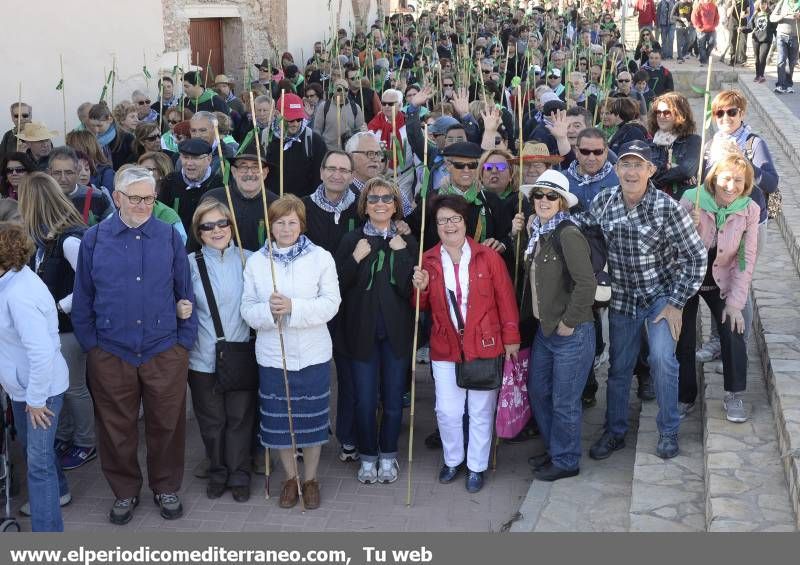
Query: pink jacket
[{"x": 733, "y": 283}]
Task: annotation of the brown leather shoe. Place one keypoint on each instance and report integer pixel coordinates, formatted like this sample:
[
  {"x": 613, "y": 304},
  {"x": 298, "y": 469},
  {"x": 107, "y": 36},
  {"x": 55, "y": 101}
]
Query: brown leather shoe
[
  {"x": 311, "y": 494},
  {"x": 289, "y": 494}
]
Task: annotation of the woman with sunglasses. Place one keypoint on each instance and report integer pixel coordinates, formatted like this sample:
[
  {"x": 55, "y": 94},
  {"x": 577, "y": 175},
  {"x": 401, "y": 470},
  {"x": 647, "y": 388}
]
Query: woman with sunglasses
[
  {"x": 464, "y": 285},
  {"x": 647, "y": 43},
  {"x": 173, "y": 117},
  {"x": 727, "y": 222},
  {"x": 307, "y": 298},
  {"x": 146, "y": 139},
  {"x": 226, "y": 419},
  {"x": 376, "y": 323},
  {"x": 675, "y": 146},
  {"x": 562, "y": 286},
  {"x": 13, "y": 168}
]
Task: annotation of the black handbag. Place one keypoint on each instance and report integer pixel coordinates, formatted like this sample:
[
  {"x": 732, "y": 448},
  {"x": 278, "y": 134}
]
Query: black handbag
[
  {"x": 477, "y": 374},
  {"x": 237, "y": 368}
]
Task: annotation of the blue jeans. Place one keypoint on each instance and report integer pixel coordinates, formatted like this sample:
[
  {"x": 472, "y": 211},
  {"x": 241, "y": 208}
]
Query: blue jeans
[
  {"x": 559, "y": 367},
  {"x": 705, "y": 44},
  {"x": 383, "y": 373},
  {"x": 46, "y": 480},
  {"x": 787, "y": 59},
  {"x": 624, "y": 333},
  {"x": 667, "y": 40}
]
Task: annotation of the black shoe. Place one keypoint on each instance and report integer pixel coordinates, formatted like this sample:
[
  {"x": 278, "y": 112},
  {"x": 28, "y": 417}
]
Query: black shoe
[
  {"x": 215, "y": 490},
  {"x": 170, "y": 504},
  {"x": 538, "y": 461},
  {"x": 241, "y": 494},
  {"x": 552, "y": 473},
  {"x": 474, "y": 481},
  {"x": 530, "y": 431},
  {"x": 434, "y": 440},
  {"x": 646, "y": 391},
  {"x": 448, "y": 474},
  {"x": 606, "y": 445},
  {"x": 122, "y": 511}
]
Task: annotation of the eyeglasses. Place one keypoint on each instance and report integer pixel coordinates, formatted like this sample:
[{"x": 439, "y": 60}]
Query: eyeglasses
[
  {"x": 455, "y": 220},
  {"x": 385, "y": 103},
  {"x": 136, "y": 200},
  {"x": 665, "y": 113},
  {"x": 153, "y": 137},
  {"x": 375, "y": 198},
  {"x": 23, "y": 116},
  {"x": 370, "y": 154},
  {"x": 732, "y": 112},
  {"x": 16, "y": 170},
  {"x": 173, "y": 122},
  {"x": 337, "y": 170},
  {"x": 597, "y": 152},
  {"x": 500, "y": 167},
  {"x": 461, "y": 166},
  {"x": 551, "y": 196},
  {"x": 341, "y": 90},
  {"x": 209, "y": 226},
  {"x": 144, "y": 102},
  {"x": 60, "y": 174}
]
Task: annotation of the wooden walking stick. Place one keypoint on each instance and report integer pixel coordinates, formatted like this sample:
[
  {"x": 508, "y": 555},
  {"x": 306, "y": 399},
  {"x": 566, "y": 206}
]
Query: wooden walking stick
[
  {"x": 519, "y": 190},
  {"x": 19, "y": 118},
  {"x": 225, "y": 182},
  {"x": 424, "y": 194},
  {"x": 161, "y": 104},
  {"x": 706, "y": 96},
  {"x": 63, "y": 94},
  {"x": 208, "y": 66},
  {"x": 283, "y": 129},
  {"x": 394, "y": 141},
  {"x": 113, "y": 77}
]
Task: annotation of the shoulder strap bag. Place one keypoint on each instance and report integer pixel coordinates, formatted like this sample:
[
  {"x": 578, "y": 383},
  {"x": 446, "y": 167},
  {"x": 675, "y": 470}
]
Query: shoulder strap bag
[{"x": 477, "y": 374}]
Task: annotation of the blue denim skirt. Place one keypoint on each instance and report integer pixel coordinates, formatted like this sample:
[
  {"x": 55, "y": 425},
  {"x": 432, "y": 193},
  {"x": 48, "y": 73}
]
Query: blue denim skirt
[{"x": 310, "y": 392}]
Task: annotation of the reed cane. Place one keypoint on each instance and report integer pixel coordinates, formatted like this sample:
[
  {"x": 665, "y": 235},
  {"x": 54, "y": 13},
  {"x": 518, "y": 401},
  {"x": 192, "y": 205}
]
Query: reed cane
[
  {"x": 19, "y": 118},
  {"x": 283, "y": 130},
  {"x": 706, "y": 96}
]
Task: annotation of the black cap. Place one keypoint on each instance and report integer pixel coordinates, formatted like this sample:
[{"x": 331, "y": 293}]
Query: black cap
[
  {"x": 637, "y": 148},
  {"x": 194, "y": 146},
  {"x": 464, "y": 149}
]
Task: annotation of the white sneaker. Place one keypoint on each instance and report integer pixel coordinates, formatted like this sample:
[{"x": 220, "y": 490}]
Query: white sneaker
[
  {"x": 734, "y": 408},
  {"x": 709, "y": 351},
  {"x": 63, "y": 500},
  {"x": 368, "y": 473},
  {"x": 388, "y": 470},
  {"x": 789, "y": 90},
  {"x": 424, "y": 355}
]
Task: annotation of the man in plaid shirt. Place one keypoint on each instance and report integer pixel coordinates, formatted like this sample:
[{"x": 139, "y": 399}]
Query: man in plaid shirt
[{"x": 657, "y": 262}]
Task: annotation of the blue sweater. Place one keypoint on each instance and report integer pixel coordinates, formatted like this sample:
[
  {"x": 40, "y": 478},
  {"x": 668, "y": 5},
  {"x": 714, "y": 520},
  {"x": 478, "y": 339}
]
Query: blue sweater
[
  {"x": 32, "y": 368},
  {"x": 587, "y": 191},
  {"x": 126, "y": 287}
]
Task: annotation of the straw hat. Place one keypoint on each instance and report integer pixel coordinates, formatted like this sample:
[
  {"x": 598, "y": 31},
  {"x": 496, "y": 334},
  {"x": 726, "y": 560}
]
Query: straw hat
[
  {"x": 222, "y": 79},
  {"x": 538, "y": 152},
  {"x": 34, "y": 131}
]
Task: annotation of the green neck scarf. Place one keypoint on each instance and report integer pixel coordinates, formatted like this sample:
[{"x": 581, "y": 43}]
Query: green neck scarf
[
  {"x": 709, "y": 204},
  {"x": 507, "y": 192}
]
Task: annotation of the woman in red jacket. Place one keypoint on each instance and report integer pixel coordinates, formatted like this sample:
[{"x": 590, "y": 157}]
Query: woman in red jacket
[{"x": 478, "y": 279}]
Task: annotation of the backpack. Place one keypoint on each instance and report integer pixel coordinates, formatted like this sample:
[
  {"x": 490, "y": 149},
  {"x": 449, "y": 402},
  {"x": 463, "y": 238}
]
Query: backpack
[
  {"x": 598, "y": 255},
  {"x": 774, "y": 199}
]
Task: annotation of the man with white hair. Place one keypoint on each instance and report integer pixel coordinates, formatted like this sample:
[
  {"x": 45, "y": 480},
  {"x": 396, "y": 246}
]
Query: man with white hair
[
  {"x": 144, "y": 112},
  {"x": 131, "y": 312},
  {"x": 389, "y": 126}
]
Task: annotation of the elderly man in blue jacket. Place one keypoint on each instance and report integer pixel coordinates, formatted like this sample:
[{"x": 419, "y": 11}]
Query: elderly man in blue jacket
[{"x": 132, "y": 314}]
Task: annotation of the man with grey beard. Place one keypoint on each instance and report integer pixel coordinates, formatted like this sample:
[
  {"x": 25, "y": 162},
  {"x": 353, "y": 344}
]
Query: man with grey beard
[{"x": 248, "y": 208}]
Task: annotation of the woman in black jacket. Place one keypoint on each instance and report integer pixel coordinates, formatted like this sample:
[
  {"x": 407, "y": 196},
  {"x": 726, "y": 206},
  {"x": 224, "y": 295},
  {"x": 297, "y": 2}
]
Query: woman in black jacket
[
  {"x": 675, "y": 145},
  {"x": 763, "y": 36},
  {"x": 623, "y": 112},
  {"x": 375, "y": 265}
]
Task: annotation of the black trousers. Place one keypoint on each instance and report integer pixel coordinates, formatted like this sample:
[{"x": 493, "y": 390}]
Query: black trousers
[
  {"x": 761, "y": 53},
  {"x": 734, "y": 348},
  {"x": 227, "y": 423}
]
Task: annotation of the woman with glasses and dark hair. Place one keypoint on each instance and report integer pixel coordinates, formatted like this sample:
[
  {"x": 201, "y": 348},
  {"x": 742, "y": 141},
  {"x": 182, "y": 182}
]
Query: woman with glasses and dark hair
[
  {"x": 146, "y": 139},
  {"x": 13, "y": 168},
  {"x": 312, "y": 97},
  {"x": 226, "y": 419},
  {"x": 464, "y": 285},
  {"x": 375, "y": 325},
  {"x": 675, "y": 145},
  {"x": 646, "y": 45}
]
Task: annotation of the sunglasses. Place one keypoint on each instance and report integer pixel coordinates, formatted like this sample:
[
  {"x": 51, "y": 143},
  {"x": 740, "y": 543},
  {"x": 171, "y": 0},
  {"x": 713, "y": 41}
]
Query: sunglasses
[
  {"x": 462, "y": 166},
  {"x": 500, "y": 167},
  {"x": 151, "y": 137},
  {"x": 665, "y": 113},
  {"x": 375, "y": 198},
  {"x": 732, "y": 112},
  {"x": 551, "y": 196},
  {"x": 209, "y": 226},
  {"x": 173, "y": 122},
  {"x": 23, "y": 116},
  {"x": 597, "y": 152},
  {"x": 144, "y": 102},
  {"x": 623, "y": 80},
  {"x": 448, "y": 84},
  {"x": 15, "y": 170},
  {"x": 385, "y": 103}
]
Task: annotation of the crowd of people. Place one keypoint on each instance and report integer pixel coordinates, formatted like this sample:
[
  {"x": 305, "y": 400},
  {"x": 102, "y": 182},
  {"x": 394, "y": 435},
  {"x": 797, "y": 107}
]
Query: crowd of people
[{"x": 472, "y": 162}]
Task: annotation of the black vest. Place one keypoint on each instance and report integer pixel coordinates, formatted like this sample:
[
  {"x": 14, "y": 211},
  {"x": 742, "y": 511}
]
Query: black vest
[{"x": 56, "y": 272}]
